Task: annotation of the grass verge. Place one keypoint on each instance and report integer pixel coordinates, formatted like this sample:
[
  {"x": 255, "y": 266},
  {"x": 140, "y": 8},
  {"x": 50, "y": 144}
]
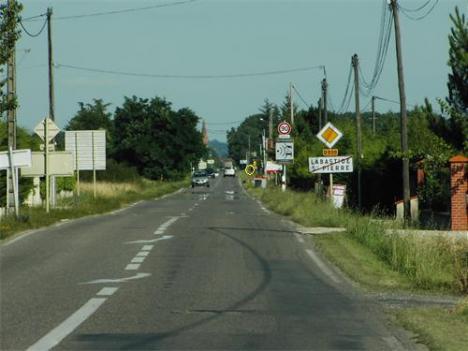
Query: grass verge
[
  {"x": 110, "y": 196},
  {"x": 410, "y": 262},
  {"x": 438, "y": 328}
]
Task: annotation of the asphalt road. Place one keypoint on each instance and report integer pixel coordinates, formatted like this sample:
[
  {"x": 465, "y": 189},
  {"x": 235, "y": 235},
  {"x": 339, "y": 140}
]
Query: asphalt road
[{"x": 202, "y": 269}]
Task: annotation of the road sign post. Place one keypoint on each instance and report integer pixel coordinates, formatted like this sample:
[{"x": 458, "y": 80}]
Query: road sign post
[{"x": 284, "y": 149}]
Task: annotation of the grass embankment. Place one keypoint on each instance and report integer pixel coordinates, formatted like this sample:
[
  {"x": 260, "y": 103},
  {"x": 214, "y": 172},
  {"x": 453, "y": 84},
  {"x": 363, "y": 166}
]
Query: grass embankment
[
  {"x": 109, "y": 196},
  {"x": 438, "y": 328}
]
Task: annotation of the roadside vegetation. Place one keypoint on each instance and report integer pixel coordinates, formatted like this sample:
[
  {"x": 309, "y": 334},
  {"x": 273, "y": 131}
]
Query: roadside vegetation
[
  {"x": 110, "y": 196},
  {"x": 371, "y": 251},
  {"x": 438, "y": 328}
]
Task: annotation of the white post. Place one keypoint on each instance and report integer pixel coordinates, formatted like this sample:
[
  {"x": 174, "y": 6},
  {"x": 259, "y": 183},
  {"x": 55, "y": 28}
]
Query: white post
[
  {"x": 283, "y": 179},
  {"x": 331, "y": 187},
  {"x": 94, "y": 166},
  {"x": 77, "y": 166},
  {"x": 46, "y": 161},
  {"x": 14, "y": 179}
]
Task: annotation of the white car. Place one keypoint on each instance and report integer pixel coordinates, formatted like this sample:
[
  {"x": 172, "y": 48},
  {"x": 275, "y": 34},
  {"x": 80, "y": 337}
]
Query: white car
[{"x": 229, "y": 172}]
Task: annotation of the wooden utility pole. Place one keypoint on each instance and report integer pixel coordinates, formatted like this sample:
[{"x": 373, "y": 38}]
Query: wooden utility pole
[
  {"x": 403, "y": 115},
  {"x": 355, "y": 62},
  {"x": 324, "y": 92},
  {"x": 51, "y": 66},
  {"x": 53, "y": 183},
  {"x": 291, "y": 106},
  {"x": 11, "y": 198},
  {"x": 270, "y": 127},
  {"x": 373, "y": 114}
]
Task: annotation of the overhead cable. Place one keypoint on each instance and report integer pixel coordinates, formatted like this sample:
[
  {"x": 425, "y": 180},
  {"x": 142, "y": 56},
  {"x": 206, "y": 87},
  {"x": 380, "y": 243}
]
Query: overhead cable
[
  {"x": 300, "y": 97},
  {"x": 188, "y": 76},
  {"x": 36, "y": 34},
  {"x": 408, "y": 14},
  {"x": 116, "y": 12},
  {"x": 345, "y": 97}
]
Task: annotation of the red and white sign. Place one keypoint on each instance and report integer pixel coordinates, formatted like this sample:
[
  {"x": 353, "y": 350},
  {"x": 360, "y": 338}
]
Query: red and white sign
[{"x": 284, "y": 128}]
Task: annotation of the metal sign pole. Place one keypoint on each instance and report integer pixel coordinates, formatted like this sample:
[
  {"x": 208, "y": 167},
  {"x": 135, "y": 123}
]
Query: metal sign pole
[{"x": 331, "y": 187}]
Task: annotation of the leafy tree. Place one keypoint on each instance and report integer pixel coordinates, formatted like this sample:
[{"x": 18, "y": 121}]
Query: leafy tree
[
  {"x": 91, "y": 117},
  {"x": 159, "y": 142},
  {"x": 458, "y": 62},
  {"x": 9, "y": 34}
]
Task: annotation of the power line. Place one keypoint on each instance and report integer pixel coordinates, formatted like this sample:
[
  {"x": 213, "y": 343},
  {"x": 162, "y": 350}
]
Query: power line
[
  {"x": 300, "y": 97},
  {"x": 223, "y": 123},
  {"x": 407, "y": 13},
  {"x": 416, "y": 9},
  {"x": 116, "y": 12},
  {"x": 30, "y": 34},
  {"x": 194, "y": 76},
  {"x": 345, "y": 97}
]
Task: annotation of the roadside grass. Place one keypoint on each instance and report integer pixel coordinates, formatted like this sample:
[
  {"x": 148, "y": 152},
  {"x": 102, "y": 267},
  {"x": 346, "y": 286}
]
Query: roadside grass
[
  {"x": 410, "y": 262},
  {"x": 438, "y": 328},
  {"x": 360, "y": 264},
  {"x": 110, "y": 196}
]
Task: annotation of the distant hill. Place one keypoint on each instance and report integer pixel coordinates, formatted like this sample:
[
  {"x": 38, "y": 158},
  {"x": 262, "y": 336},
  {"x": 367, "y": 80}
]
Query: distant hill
[{"x": 219, "y": 147}]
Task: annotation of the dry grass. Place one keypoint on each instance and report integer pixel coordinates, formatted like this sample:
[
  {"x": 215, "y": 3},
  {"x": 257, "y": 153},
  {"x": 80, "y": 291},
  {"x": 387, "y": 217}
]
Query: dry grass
[{"x": 109, "y": 189}]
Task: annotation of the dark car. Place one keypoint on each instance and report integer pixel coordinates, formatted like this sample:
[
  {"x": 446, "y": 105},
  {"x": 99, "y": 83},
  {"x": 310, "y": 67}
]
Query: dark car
[
  {"x": 200, "y": 178},
  {"x": 210, "y": 172}
]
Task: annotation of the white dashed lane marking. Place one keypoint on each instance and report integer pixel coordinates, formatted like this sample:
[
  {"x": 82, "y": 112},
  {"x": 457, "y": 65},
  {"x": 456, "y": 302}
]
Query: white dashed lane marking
[
  {"x": 138, "y": 259},
  {"x": 55, "y": 336},
  {"x": 107, "y": 291},
  {"x": 132, "y": 267}
]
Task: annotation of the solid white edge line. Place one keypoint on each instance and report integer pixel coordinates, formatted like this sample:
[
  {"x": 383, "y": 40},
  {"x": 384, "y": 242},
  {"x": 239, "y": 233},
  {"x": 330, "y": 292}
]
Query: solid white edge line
[
  {"x": 107, "y": 291},
  {"x": 322, "y": 266},
  {"x": 299, "y": 238},
  {"x": 56, "y": 335}
]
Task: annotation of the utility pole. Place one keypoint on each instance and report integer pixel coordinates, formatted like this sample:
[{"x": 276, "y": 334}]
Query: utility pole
[
  {"x": 53, "y": 183},
  {"x": 51, "y": 66},
  {"x": 373, "y": 115},
  {"x": 270, "y": 125},
  {"x": 11, "y": 196},
  {"x": 355, "y": 62},
  {"x": 324, "y": 92},
  {"x": 320, "y": 112},
  {"x": 291, "y": 106},
  {"x": 403, "y": 115}
]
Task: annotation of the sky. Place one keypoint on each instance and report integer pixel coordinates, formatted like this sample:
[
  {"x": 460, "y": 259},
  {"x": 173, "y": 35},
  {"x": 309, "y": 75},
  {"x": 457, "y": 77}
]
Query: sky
[{"x": 223, "y": 37}]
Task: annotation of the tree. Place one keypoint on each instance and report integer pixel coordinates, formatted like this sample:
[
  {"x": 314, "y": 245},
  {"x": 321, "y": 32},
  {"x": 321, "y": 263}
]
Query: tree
[
  {"x": 91, "y": 117},
  {"x": 9, "y": 34},
  {"x": 158, "y": 141},
  {"x": 458, "y": 62}
]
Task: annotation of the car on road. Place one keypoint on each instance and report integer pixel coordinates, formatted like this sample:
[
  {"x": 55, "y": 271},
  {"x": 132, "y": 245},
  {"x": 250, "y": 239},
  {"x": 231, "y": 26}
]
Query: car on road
[
  {"x": 229, "y": 172},
  {"x": 200, "y": 178},
  {"x": 211, "y": 172}
]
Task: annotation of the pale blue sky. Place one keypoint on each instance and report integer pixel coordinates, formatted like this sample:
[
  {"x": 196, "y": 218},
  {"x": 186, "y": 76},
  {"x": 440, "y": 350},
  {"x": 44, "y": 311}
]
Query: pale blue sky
[{"x": 224, "y": 37}]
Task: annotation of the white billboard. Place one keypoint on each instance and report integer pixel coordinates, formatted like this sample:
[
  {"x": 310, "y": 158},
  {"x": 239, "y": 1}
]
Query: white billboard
[
  {"x": 89, "y": 146},
  {"x": 60, "y": 164}
]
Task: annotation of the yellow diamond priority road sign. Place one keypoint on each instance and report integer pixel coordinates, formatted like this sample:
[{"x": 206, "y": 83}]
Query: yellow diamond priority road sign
[{"x": 329, "y": 135}]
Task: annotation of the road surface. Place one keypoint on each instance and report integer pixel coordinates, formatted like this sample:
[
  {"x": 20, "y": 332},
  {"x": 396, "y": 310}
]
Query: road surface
[{"x": 202, "y": 269}]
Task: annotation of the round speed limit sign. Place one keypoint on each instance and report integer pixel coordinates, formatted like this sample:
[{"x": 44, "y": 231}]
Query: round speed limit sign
[{"x": 284, "y": 128}]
